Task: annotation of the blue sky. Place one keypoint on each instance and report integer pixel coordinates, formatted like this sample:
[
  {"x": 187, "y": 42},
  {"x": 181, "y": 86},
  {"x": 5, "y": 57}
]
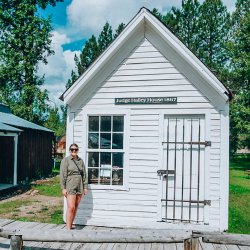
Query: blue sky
[{"x": 74, "y": 21}]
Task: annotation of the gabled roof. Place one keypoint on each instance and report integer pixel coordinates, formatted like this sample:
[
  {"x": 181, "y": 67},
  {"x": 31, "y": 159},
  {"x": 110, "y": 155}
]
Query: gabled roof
[
  {"x": 10, "y": 119},
  {"x": 7, "y": 128},
  {"x": 169, "y": 45}
]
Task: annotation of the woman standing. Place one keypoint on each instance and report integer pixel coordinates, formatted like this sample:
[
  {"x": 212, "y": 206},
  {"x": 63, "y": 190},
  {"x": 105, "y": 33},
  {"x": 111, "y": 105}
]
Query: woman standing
[{"x": 74, "y": 182}]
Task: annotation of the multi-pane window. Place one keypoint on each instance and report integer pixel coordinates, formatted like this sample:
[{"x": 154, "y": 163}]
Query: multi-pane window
[{"x": 105, "y": 149}]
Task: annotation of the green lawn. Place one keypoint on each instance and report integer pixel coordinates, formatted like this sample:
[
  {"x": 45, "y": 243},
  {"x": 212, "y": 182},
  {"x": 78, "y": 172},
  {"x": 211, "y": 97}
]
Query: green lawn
[
  {"x": 239, "y": 196},
  {"x": 51, "y": 188}
]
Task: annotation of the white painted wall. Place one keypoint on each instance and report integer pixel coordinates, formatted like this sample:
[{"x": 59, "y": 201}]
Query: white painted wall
[{"x": 145, "y": 73}]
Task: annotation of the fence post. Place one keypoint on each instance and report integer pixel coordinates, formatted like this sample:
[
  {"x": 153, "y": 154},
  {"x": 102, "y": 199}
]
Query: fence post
[
  {"x": 191, "y": 244},
  {"x": 16, "y": 242},
  {"x": 194, "y": 243},
  {"x": 187, "y": 244}
]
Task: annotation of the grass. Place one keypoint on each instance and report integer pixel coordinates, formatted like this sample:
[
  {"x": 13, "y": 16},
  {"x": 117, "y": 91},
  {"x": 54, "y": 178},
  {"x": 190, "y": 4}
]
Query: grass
[
  {"x": 54, "y": 216},
  {"x": 51, "y": 188},
  {"x": 239, "y": 196},
  {"x": 13, "y": 206}
]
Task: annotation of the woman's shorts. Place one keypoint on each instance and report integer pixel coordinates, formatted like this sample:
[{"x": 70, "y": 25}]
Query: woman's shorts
[{"x": 74, "y": 184}]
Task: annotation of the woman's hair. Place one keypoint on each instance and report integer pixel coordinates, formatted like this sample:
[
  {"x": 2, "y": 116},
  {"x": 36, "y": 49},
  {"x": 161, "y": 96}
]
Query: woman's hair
[{"x": 73, "y": 144}]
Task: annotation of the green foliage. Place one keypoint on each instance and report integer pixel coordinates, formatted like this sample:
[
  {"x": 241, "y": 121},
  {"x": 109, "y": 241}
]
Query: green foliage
[
  {"x": 57, "y": 217},
  {"x": 184, "y": 22},
  {"x": 92, "y": 49},
  {"x": 55, "y": 121},
  {"x": 25, "y": 41},
  {"x": 214, "y": 26},
  {"x": 240, "y": 75},
  {"x": 203, "y": 28}
]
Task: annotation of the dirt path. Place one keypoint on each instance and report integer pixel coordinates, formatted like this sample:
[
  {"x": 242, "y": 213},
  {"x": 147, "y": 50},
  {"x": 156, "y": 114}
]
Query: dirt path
[{"x": 32, "y": 206}]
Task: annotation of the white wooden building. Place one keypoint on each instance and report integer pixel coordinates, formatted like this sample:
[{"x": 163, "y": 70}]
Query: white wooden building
[{"x": 152, "y": 124}]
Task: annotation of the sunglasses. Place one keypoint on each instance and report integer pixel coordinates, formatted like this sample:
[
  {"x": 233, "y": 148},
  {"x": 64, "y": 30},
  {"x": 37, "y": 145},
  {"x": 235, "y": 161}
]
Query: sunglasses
[{"x": 74, "y": 149}]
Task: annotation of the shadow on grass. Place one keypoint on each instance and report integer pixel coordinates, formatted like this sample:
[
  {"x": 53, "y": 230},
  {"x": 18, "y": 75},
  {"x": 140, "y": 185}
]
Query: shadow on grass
[{"x": 240, "y": 162}]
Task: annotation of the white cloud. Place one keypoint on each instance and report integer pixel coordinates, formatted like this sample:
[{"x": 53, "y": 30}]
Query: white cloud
[
  {"x": 59, "y": 67},
  {"x": 88, "y": 17},
  {"x": 230, "y": 4}
]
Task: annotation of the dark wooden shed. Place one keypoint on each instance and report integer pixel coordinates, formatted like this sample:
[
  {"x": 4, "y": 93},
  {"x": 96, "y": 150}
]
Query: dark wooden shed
[{"x": 26, "y": 145}]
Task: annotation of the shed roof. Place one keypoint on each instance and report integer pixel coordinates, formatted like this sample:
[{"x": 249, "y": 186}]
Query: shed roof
[
  {"x": 4, "y": 108},
  {"x": 145, "y": 24},
  {"x": 7, "y": 128},
  {"x": 13, "y": 120}
]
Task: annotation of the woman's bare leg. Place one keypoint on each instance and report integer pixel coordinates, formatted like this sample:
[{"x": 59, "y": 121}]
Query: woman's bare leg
[
  {"x": 71, "y": 208},
  {"x": 77, "y": 202}
]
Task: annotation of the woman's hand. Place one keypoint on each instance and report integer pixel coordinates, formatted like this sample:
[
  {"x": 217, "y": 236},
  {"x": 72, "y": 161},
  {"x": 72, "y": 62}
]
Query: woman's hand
[
  {"x": 64, "y": 192},
  {"x": 85, "y": 191}
]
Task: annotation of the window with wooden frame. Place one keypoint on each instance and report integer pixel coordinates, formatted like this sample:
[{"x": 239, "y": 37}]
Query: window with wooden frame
[{"x": 105, "y": 149}]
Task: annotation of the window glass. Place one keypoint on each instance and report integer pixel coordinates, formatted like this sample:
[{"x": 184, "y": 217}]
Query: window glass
[
  {"x": 106, "y": 123},
  {"x": 105, "y": 140},
  {"x": 93, "y": 175},
  {"x": 93, "y": 140},
  {"x": 93, "y": 123},
  {"x": 93, "y": 159},
  {"x": 105, "y": 176},
  {"x": 117, "y": 141},
  {"x": 117, "y": 177},
  {"x": 117, "y": 160},
  {"x": 118, "y": 123}
]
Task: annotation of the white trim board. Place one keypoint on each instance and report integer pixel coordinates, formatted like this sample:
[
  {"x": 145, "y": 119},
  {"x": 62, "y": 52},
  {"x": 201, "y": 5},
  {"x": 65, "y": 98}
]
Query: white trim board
[{"x": 85, "y": 113}]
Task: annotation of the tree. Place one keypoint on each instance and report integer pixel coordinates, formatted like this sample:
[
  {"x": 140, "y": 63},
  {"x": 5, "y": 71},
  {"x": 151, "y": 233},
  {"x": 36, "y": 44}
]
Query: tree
[
  {"x": 184, "y": 22},
  {"x": 55, "y": 121},
  {"x": 92, "y": 49},
  {"x": 213, "y": 35},
  {"x": 119, "y": 29},
  {"x": 24, "y": 41},
  {"x": 240, "y": 75},
  {"x": 106, "y": 37}
]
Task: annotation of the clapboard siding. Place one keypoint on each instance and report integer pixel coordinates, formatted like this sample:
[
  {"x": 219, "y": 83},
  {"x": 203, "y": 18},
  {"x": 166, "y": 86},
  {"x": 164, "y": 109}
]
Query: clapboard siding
[
  {"x": 139, "y": 66},
  {"x": 101, "y": 197},
  {"x": 214, "y": 173},
  {"x": 144, "y": 123},
  {"x": 165, "y": 82},
  {"x": 144, "y": 145},
  {"x": 142, "y": 151},
  {"x": 121, "y": 207},
  {"x": 145, "y": 73},
  {"x": 143, "y": 162},
  {"x": 126, "y": 202},
  {"x": 117, "y": 214},
  {"x": 144, "y": 90}
]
